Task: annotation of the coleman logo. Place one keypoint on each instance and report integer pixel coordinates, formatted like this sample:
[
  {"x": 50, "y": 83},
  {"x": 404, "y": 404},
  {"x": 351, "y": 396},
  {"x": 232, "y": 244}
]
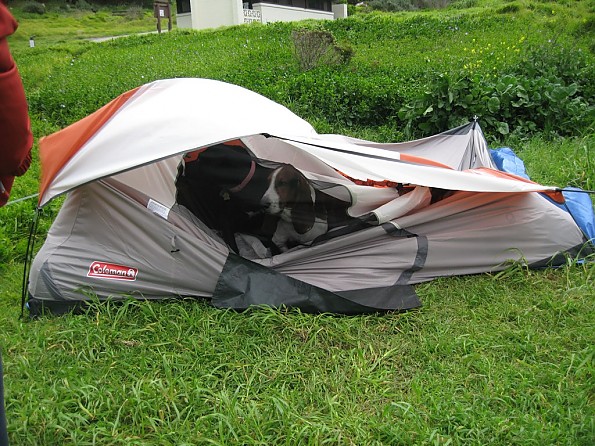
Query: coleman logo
[{"x": 112, "y": 271}]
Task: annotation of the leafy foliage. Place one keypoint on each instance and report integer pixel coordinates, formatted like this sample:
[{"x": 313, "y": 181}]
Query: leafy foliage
[
  {"x": 337, "y": 96},
  {"x": 84, "y": 4},
  {"x": 405, "y": 5},
  {"x": 550, "y": 90},
  {"x": 316, "y": 47}
]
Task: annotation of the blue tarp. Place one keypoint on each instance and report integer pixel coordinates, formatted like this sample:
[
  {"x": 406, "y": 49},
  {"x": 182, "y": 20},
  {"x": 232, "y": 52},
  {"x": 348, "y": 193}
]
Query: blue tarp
[
  {"x": 507, "y": 161},
  {"x": 578, "y": 203}
]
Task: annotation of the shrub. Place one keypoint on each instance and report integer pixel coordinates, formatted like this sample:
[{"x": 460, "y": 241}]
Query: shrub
[
  {"x": 316, "y": 47},
  {"x": 33, "y": 8},
  {"x": 83, "y": 5},
  {"x": 135, "y": 12},
  {"x": 570, "y": 65},
  {"x": 510, "y": 8},
  {"x": 463, "y": 4},
  {"x": 339, "y": 97},
  {"x": 391, "y": 5},
  {"x": 406, "y": 5},
  {"x": 550, "y": 90}
]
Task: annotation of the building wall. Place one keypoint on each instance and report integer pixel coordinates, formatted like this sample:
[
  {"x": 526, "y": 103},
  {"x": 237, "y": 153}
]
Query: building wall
[
  {"x": 184, "y": 20},
  {"x": 280, "y": 13},
  {"x": 212, "y": 14},
  {"x": 340, "y": 10},
  {"x": 215, "y": 13}
]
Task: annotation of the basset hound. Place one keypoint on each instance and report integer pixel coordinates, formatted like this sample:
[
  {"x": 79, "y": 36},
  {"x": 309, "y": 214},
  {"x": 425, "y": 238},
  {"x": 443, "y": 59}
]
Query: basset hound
[
  {"x": 236, "y": 194},
  {"x": 301, "y": 209},
  {"x": 223, "y": 186}
]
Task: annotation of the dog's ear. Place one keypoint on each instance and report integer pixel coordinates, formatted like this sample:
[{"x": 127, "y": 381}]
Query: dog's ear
[{"x": 303, "y": 213}]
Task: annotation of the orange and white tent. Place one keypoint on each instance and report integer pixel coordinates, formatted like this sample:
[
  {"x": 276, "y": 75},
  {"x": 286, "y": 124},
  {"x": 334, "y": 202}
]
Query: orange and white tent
[{"x": 121, "y": 230}]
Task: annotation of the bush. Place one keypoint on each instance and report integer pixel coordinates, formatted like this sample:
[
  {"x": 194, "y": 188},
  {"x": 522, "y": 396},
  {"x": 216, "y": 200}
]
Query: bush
[
  {"x": 339, "y": 97},
  {"x": 135, "y": 13},
  {"x": 316, "y": 47},
  {"x": 143, "y": 3},
  {"x": 33, "y": 8},
  {"x": 406, "y": 5},
  {"x": 569, "y": 65},
  {"x": 550, "y": 90},
  {"x": 463, "y": 4},
  {"x": 83, "y": 5},
  {"x": 511, "y": 8}
]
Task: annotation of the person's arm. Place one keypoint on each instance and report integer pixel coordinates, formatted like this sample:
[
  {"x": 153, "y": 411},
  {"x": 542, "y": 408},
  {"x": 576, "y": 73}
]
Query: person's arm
[{"x": 16, "y": 138}]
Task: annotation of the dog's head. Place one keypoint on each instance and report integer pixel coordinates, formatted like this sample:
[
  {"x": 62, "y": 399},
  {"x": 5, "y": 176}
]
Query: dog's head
[
  {"x": 289, "y": 193},
  {"x": 222, "y": 165}
]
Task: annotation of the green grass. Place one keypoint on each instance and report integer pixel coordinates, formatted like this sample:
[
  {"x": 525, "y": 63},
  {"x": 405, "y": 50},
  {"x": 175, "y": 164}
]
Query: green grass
[
  {"x": 491, "y": 359},
  {"x": 574, "y": 159},
  {"x": 486, "y": 361},
  {"x": 56, "y": 26}
]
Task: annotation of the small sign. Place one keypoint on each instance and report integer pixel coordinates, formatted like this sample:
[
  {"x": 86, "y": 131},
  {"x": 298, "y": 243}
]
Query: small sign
[
  {"x": 251, "y": 15},
  {"x": 161, "y": 10},
  {"x": 158, "y": 208}
]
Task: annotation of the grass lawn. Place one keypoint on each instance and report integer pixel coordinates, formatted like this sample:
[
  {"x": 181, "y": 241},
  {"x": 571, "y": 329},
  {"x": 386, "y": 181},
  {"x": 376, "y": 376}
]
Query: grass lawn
[{"x": 499, "y": 359}]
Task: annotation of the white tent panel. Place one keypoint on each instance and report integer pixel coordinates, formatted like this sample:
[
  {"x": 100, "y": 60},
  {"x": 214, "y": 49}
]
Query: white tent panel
[
  {"x": 360, "y": 166},
  {"x": 169, "y": 117}
]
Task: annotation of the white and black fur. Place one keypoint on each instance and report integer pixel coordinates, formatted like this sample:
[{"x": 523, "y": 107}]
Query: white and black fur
[{"x": 301, "y": 210}]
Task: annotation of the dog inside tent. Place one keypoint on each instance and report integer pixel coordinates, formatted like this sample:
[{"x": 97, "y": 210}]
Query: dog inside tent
[{"x": 171, "y": 193}]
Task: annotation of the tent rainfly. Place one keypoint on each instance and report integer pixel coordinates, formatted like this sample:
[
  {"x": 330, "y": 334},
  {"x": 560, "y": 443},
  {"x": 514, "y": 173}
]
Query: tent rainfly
[{"x": 143, "y": 215}]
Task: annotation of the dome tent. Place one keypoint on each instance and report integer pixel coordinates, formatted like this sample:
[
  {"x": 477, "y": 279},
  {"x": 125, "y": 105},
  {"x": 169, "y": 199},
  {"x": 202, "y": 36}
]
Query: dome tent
[{"x": 122, "y": 230}]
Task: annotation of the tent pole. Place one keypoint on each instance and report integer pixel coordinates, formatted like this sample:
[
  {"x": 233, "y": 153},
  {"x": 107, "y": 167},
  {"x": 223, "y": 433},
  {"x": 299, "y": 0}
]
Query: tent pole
[{"x": 29, "y": 258}]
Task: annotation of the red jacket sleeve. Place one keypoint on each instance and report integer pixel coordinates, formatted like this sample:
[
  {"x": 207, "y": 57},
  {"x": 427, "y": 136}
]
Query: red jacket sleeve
[{"x": 16, "y": 138}]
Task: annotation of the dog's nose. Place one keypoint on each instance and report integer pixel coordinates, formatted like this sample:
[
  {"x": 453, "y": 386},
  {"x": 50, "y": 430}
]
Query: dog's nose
[{"x": 269, "y": 205}]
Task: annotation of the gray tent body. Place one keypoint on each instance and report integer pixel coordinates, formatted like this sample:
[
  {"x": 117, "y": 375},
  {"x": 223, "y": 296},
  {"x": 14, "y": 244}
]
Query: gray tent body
[{"x": 112, "y": 240}]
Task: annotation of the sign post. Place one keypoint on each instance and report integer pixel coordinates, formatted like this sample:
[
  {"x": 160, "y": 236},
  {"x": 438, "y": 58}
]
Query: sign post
[{"x": 161, "y": 10}]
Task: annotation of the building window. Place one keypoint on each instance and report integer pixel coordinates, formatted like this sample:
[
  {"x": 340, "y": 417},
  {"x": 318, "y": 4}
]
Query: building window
[
  {"x": 323, "y": 5},
  {"x": 183, "y": 6}
]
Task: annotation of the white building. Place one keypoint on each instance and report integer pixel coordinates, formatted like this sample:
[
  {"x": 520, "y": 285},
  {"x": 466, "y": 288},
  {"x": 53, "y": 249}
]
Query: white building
[{"x": 201, "y": 14}]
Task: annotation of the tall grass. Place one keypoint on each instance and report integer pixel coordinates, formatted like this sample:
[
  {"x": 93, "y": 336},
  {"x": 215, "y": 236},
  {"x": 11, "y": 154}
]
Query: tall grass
[
  {"x": 487, "y": 361},
  {"x": 503, "y": 359}
]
